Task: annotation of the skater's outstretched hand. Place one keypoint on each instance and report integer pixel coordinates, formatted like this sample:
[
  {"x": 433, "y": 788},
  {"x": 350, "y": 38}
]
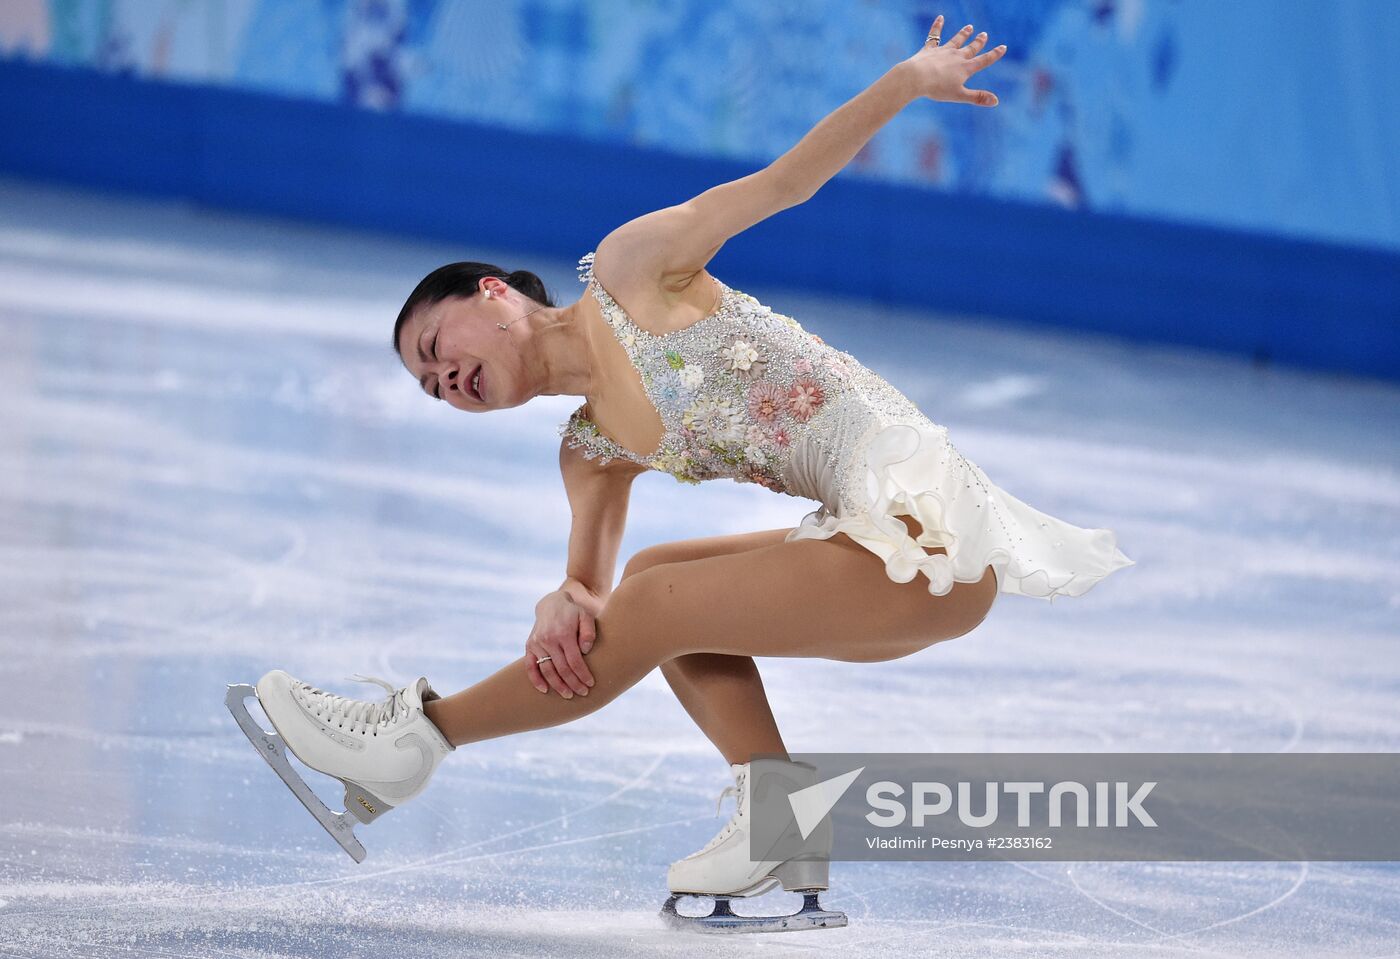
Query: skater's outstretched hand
[
  {"x": 939, "y": 72},
  {"x": 563, "y": 631}
]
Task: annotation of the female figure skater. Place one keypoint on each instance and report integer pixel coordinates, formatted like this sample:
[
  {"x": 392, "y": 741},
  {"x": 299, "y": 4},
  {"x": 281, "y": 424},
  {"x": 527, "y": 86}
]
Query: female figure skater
[{"x": 701, "y": 381}]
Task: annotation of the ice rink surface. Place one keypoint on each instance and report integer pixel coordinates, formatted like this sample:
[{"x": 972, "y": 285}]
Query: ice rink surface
[{"x": 212, "y": 464}]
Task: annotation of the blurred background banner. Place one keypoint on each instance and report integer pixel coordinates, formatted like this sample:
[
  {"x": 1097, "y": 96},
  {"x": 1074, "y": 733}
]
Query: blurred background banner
[{"x": 1221, "y": 175}]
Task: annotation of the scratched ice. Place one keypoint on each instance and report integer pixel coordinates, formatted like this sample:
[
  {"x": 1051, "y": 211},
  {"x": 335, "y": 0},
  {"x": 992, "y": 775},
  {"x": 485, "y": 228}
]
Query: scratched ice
[{"x": 211, "y": 464}]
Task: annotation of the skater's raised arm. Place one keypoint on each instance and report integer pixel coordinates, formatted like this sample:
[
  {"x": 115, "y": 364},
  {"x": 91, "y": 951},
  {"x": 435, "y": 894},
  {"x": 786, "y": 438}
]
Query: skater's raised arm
[
  {"x": 934, "y": 73},
  {"x": 674, "y": 244}
]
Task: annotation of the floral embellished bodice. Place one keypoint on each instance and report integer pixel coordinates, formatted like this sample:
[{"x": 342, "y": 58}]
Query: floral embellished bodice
[{"x": 749, "y": 394}]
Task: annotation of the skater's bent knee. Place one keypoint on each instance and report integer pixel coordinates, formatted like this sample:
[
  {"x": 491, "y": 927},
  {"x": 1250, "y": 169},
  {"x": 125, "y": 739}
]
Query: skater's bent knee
[
  {"x": 639, "y": 601},
  {"x": 648, "y": 557},
  {"x": 632, "y": 591}
]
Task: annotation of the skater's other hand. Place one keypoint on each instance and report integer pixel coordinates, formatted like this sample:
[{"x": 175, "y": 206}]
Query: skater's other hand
[
  {"x": 939, "y": 72},
  {"x": 563, "y": 631}
]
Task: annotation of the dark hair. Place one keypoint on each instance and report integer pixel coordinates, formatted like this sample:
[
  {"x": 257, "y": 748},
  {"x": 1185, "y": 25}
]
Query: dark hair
[{"x": 462, "y": 279}]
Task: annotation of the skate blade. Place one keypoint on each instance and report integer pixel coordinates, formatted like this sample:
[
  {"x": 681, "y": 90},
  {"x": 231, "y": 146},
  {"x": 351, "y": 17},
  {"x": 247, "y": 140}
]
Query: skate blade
[
  {"x": 723, "y": 920},
  {"x": 272, "y": 748}
]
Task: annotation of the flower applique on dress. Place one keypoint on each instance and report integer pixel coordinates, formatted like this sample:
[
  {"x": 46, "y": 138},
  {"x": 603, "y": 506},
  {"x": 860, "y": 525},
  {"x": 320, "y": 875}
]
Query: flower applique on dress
[{"x": 747, "y": 393}]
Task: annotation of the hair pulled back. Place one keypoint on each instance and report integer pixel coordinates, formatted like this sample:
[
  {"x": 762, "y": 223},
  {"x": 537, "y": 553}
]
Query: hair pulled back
[{"x": 462, "y": 279}]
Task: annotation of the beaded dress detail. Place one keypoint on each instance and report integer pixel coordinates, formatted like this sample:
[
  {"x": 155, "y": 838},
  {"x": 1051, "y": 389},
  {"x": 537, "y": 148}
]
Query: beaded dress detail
[{"x": 747, "y": 393}]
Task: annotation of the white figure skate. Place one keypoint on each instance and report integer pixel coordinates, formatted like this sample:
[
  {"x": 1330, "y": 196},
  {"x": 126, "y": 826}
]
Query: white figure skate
[
  {"x": 384, "y": 752},
  {"x": 723, "y": 869}
]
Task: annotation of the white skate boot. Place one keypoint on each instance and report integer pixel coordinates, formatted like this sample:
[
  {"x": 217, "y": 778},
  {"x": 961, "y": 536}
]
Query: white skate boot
[
  {"x": 384, "y": 752},
  {"x": 724, "y": 869}
]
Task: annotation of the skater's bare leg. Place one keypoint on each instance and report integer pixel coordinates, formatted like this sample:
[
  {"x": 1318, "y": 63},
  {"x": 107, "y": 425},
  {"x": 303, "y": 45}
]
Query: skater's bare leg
[
  {"x": 723, "y": 694},
  {"x": 824, "y": 598}
]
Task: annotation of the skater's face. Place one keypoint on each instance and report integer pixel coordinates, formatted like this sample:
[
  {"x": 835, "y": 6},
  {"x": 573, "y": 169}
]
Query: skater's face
[{"x": 444, "y": 344}]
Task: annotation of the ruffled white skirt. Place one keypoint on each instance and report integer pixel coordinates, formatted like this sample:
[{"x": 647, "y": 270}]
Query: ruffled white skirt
[{"x": 912, "y": 469}]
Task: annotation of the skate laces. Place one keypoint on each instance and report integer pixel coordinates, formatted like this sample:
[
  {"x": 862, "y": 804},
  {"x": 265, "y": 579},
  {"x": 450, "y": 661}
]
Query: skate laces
[
  {"x": 737, "y": 791},
  {"x": 360, "y": 715}
]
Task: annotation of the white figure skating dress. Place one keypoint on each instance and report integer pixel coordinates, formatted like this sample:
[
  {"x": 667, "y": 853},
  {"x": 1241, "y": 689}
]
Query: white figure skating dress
[{"x": 749, "y": 394}]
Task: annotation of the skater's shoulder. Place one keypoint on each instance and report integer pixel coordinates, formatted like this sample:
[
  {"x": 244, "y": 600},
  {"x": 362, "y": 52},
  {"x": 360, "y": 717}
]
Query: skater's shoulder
[{"x": 627, "y": 280}]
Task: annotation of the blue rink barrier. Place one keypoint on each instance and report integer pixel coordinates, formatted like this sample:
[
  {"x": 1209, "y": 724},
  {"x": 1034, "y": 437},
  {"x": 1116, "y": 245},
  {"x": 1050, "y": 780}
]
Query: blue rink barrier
[{"x": 1305, "y": 303}]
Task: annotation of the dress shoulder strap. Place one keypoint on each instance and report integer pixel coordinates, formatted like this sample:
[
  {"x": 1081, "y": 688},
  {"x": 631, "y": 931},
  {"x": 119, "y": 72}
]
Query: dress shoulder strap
[
  {"x": 585, "y": 268},
  {"x": 581, "y": 433}
]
